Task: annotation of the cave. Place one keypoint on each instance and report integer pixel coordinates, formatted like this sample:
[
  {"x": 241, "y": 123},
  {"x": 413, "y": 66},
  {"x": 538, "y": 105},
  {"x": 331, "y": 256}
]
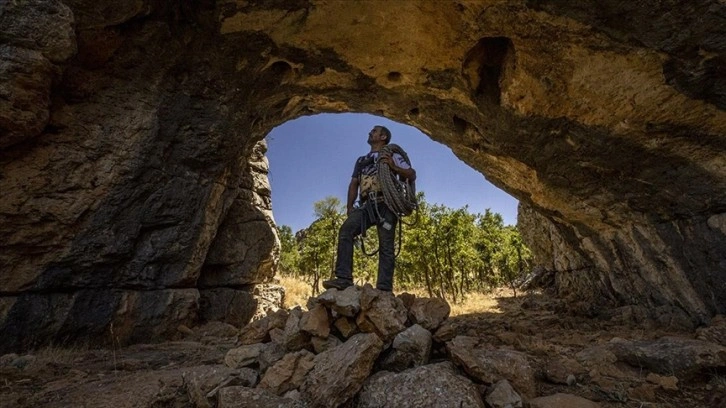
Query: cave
[{"x": 133, "y": 173}]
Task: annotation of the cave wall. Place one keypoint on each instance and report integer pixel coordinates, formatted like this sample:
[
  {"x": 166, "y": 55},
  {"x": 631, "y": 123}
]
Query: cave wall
[{"x": 133, "y": 175}]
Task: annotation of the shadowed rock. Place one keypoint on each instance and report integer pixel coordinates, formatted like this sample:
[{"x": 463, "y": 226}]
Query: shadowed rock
[
  {"x": 561, "y": 401},
  {"x": 490, "y": 365},
  {"x": 671, "y": 355}
]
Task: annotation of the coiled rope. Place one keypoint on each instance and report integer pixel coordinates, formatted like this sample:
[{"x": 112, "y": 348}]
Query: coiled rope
[{"x": 398, "y": 195}]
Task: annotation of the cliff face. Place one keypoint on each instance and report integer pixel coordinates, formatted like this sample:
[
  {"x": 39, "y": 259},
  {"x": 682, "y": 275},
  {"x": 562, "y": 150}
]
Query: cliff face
[{"x": 134, "y": 191}]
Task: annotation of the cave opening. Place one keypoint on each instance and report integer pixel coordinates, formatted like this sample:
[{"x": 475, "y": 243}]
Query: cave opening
[{"x": 311, "y": 157}]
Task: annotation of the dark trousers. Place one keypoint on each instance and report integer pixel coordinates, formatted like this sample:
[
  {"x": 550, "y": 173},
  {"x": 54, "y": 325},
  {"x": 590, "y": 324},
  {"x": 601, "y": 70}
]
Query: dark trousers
[{"x": 359, "y": 220}]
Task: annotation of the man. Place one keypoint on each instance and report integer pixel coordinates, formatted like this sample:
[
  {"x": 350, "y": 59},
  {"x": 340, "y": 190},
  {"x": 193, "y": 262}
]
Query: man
[{"x": 372, "y": 211}]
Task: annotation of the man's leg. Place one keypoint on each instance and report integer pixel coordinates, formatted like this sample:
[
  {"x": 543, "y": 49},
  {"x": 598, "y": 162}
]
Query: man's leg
[
  {"x": 344, "y": 259},
  {"x": 386, "y": 252}
]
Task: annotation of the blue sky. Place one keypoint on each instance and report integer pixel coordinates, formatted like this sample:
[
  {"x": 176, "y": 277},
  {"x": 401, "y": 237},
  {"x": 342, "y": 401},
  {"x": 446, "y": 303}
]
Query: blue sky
[{"x": 312, "y": 157}]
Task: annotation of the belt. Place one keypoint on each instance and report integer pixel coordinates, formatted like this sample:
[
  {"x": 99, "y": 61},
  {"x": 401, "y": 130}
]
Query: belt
[{"x": 377, "y": 196}]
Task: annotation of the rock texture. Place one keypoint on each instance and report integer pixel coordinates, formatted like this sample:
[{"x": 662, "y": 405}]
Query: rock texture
[{"x": 134, "y": 183}]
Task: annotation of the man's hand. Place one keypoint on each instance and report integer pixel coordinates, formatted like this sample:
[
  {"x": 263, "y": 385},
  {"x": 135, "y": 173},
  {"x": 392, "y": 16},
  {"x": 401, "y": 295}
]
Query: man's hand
[{"x": 387, "y": 159}]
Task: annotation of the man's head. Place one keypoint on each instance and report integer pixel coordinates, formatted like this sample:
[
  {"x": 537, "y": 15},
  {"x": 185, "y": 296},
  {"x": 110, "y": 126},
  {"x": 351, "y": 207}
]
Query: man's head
[{"x": 379, "y": 134}]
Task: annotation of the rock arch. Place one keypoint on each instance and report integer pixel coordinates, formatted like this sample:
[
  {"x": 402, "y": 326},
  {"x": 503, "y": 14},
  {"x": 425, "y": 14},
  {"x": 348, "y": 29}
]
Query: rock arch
[{"x": 133, "y": 177}]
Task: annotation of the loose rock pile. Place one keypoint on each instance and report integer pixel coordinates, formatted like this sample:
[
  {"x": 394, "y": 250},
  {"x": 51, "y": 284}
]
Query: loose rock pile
[{"x": 365, "y": 348}]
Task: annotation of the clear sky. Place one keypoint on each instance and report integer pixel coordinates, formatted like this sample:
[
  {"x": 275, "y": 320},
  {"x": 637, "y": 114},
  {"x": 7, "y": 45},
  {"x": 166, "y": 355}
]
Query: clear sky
[{"x": 312, "y": 157}]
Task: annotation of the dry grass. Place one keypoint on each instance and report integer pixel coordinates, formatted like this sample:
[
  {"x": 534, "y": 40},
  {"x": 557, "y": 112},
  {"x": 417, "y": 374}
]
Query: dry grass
[{"x": 298, "y": 291}]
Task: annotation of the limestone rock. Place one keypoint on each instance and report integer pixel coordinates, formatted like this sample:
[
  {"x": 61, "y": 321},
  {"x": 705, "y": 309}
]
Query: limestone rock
[
  {"x": 270, "y": 354},
  {"x": 232, "y": 306},
  {"x": 682, "y": 357},
  {"x": 288, "y": 373},
  {"x": 316, "y": 322},
  {"x": 338, "y": 373},
  {"x": 344, "y": 303},
  {"x": 429, "y": 312},
  {"x": 293, "y": 337},
  {"x": 561, "y": 401},
  {"x": 503, "y": 395},
  {"x": 243, "y": 356},
  {"x": 322, "y": 344},
  {"x": 199, "y": 381},
  {"x": 258, "y": 331},
  {"x": 410, "y": 348},
  {"x": 381, "y": 313},
  {"x": 428, "y": 386},
  {"x": 491, "y": 365},
  {"x": 243, "y": 397},
  {"x": 346, "y": 326}
]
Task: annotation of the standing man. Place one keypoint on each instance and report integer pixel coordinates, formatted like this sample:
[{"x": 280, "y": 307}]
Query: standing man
[{"x": 372, "y": 211}]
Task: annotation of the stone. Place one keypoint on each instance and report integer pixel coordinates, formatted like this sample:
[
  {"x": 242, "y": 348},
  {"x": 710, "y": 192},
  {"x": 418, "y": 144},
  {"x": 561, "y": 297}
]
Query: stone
[
  {"x": 560, "y": 400},
  {"x": 322, "y": 344},
  {"x": 381, "y": 313},
  {"x": 270, "y": 354},
  {"x": 429, "y": 386},
  {"x": 410, "y": 348},
  {"x": 338, "y": 373},
  {"x": 258, "y": 331},
  {"x": 232, "y": 306},
  {"x": 288, "y": 373},
  {"x": 491, "y": 365},
  {"x": 293, "y": 337},
  {"x": 316, "y": 322},
  {"x": 344, "y": 302},
  {"x": 243, "y": 397},
  {"x": 502, "y": 395},
  {"x": 346, "y": 326},
  {"x": 429, "y": 312},
  {"x": 199, "y": 381},
  {"x": 243, "y": 356},
  {"x": 682, "y": 357}
]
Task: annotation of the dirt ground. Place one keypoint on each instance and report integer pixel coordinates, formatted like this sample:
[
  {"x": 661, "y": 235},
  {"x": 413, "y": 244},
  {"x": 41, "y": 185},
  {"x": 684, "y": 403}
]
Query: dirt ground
[{"x": 155, "y": 375}]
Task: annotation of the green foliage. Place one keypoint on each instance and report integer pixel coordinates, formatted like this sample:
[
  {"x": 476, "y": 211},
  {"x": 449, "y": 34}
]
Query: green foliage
[{"x": 448, "y": 252}]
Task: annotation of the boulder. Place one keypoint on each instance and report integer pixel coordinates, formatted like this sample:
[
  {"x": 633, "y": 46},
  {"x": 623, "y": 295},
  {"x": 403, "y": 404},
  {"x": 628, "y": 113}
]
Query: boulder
[
  {"x": 316, "y": 322},
  {"x": 288, "y": 373},
  {"x": 344, "y": 302},
  {"x": 339, "y": 373},
  {"x": 429, "y": 312},
  {"x": 429, "y": 386},
  {"x": 243, "y": 356},
  {"x": 490, "y": 365},
  {"x": 381, "y": 313},
  {"x": 410, "y": 348},
  {"x": 502, "y": 395},
  {"x": 678, "y": 356}
]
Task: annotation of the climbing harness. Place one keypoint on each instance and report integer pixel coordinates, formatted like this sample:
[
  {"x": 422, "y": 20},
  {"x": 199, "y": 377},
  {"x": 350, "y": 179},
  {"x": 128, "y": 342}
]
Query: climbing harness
[{"x": 398, "y": 196}]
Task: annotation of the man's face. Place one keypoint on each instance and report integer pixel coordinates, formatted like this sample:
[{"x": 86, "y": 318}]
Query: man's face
[{"x": 376, "y": 135}]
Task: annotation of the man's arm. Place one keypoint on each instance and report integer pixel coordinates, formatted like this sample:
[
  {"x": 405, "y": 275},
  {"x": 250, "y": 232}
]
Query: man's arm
[
  {"x": 352, "y": 193},
  {"x": 405, "y": 173}
]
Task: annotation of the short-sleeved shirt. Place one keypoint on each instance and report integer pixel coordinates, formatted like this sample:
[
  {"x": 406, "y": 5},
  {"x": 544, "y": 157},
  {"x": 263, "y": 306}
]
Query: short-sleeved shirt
[{"x": 366, "y": 168}]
